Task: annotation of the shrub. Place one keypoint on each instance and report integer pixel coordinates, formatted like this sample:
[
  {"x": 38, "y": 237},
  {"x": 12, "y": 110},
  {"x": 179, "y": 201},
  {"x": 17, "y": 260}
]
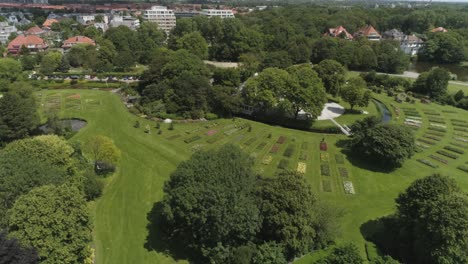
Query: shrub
[
  {"x": 160, "y": 132},
  {"x": 211, "y": 116},
  {"x": 192, "y": 139},
  {"x": 325, "y": 169},
  {"x": 289, "y": 151},
  {"x": 459, "y": 151},
  {"x": 171, "y": 126},
  {"x": 447, "y": 154},
  {"x": 158, "y": 125},
  {"x": 103, "y": 168},
  {"x": 93, "y": 186},
  {"x": 269, "y": 135},
  {"x": 137, "y": 124},
  {"x": 283, "y": 164}
]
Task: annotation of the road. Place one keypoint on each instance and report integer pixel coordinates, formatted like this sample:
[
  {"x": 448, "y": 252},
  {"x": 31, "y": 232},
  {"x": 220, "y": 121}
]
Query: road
[{"x": 415, "y": 75}]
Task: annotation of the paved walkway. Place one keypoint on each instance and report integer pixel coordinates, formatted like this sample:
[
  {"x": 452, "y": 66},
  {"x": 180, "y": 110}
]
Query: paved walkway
[{"x": 415, "y": 75}]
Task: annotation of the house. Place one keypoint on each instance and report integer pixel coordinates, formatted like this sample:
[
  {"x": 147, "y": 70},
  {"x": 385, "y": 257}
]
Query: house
[
  {"x": 439, "y": 29},
  {"x": 5, "y": 32},
  {"x": 226, "y": 13},
  {"x": 128, "y": 21},
  {"x": 35, "y": 31},
  {"x": 394, "y": 34},
  {"x": 85, "y": 19},
  {"x": 368, "y": 32},
  {"x": 32, "y": 42},
  {"x": 101, "y": 26},
  {"x": 339, "y": 32},
  {"x": 411, "y": 45},
  {"x": 77, "y": 40},
  {"x": 48, "y": 23}
]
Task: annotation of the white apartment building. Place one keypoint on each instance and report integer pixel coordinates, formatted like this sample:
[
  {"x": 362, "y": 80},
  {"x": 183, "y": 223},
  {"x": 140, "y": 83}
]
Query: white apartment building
[
  {"x": 5, "y": 32},
  {"x": 128, "y": 21},
  {"x": 217, "y": 13},
  {"x": 162, "y": 16}
]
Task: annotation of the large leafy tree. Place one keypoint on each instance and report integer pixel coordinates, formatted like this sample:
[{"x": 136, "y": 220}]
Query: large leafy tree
[
  {"x": 103, "y": 149},
  {"x": 194, "y": 43},
  {"x": 433, "y": 83},
  {"x": 344, "y": 254},
  {"x": 433, "y": 214},
  {"x": 333, "y": 75},
  {"x": 443, "y": 48},
  {"x": 12, "y": 252},
  {"x": 150, "y": 37},
  {"x": 18, "y": 114},
  {"x": 386, "y": 145},
  {"x": 33, "y": 162},
  {"x": 287, "y": 206},
  {"x": 209, "y": 200},
  {"x": 355, "y": 92},
  {"x": 50, "y": 62},
  {"x": 9, "y": 69},
  {"x": 55, "y": 221}
]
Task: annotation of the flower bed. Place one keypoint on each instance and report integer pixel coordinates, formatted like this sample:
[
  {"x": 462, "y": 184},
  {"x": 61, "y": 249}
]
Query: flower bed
[
  {"x": 435, "y": 133},
  {"x": 283, "y": 164},
  {"x": 211, "y": 132},
  {"x": 324, "y": 157},
  {"x": 339, "y": 159},
  {"x": 438, "y": 125},
  {"x": 303, "y": 155},
  {"x": 343, "y": 172},
  {"x": 447, "y": 154},
  {"x": 460, "y": 129},
  {"x": 428, "y": 163},
  {"x": 174, "y": 137},
  {"x": 326, "y": 186},
  {"x": 289, "y": 151},
  {"x": 281, "y": 140},
  {"x": 463, "y": 168},
  {"x": 213, "y": 139},
  {"x": 192, "y": 139},
  {"x": 459, "y": 151},
  {"x": 439, "y": 121},
  {"x": 275, "y": 148},
  {"x": 421, "y": 145},
  {"x": 432, "y": 113},
  {"x": 267, "y": 160},
  {"x": 250, "y": 141},
  {"x": 458, "y": 120},
  {"x": 261, "y": 146},
  {"x": 301, "y": 167},
  {"x": 414, "y": 117},
  {"x": 438, "y": 159},
  {"x": 426, "y": 141},
  {"x": 449, "y": 111},
  {"x": 460, "y": 124},
  {"x": 461, "y": 139},
  {"x": 439, "y": 129},
  {"x": 231, "y": 131},
  {"x": 348, "y": 187},
  {"x": 325, "y": 169},
  {"x": 238, "y": 138},
  {"x": 460, "y": 134},
  {"x": 432, "y": 137},
  {"x": 458, "y": 145},
  {"x": 323, "y": 146},
  {"x": 305, "y": 145}
]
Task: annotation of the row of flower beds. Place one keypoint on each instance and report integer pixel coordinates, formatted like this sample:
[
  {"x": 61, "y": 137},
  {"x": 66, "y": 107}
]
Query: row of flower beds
[
  {"x": 447, "y": 154},
  {"x": 459, "y": 151},
  {"x": 463, "y": 168},
  {"x": 426, "y": 141},
  {"x": 428, "y": 163},
  {"x": 444, "y": 161},
  {"x": 192, "y": 139}
]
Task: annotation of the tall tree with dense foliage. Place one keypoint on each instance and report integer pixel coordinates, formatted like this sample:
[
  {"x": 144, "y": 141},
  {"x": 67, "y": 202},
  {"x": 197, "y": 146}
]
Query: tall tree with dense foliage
[
  {"x": 344, "y": 254},
  {"x": 102, "y": 149},
  {"x": 50, "y": 62},
  {"x": 355, "y": 92},
  {"x": 12, "y": 252},
  {"x": 55, "y": 221},
  {"x": 433, "y": 83},
  {"x": 333, "y": 75},
  {"x": 443, "y": 48},
  {"x": 10, "y": 69},
  {"x": 194, "y": 43},
  {"x": 18, "y": 114},
  {"x": 209, "y": 200},
  {"x": 386, "y": 145}
]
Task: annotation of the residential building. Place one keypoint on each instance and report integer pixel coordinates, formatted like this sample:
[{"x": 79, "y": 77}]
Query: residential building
[
  {"x": 48, "y": 23},
  {"x": 162, "y": 16},
  {"x": 369, "y": 32},
  {"x": 5, "y": 32},
  {"x": 411, "y": 45},
  {"x": 439, "y": 29},
  {"x": 85, "y": 19},
  {"x": 226, "y": 13},
  {"x": 35, "y": 31},
  {"x": 77, "y": 40},
  {"x": 31, "y": 42},
  {"x": 394, "y": 34},
  {"x": 339, "y": 32},
  {"x": 101, "y": 26},
  {"x": 128, "y": 21}
]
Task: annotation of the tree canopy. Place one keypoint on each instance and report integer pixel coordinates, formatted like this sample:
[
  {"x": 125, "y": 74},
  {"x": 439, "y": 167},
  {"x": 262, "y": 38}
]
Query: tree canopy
[
  {"x": 433, "y": 83},
  {"x": 333, "y": 75},
  {"x": 355, "y": 92},
  {"x": 12, "y": 252}
]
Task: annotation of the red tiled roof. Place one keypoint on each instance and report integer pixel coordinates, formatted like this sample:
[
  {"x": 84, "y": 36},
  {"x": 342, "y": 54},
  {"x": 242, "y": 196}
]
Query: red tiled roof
[
  {"x": 23, "y": 40},
  {"x": 336, "y": 32},
  {"x": 439, "y": 29},
  {"x": 35, "y": 31},
  {"x": 48, "y": 23},
  {"x": 77, "y": 40},
  {"x": 368, "y": 31}
]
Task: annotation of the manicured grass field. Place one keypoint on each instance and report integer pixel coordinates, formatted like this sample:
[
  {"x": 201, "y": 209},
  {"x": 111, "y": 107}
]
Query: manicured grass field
[{"x": 120, "y": 221}]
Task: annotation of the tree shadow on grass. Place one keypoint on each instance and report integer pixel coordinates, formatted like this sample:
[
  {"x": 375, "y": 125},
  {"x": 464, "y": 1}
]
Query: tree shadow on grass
[{"x": 159, "y": 239}]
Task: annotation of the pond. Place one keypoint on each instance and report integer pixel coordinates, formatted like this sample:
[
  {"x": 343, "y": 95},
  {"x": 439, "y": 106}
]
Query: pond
[
  {"x": 460, "y": 70},
  {"x": 386, "y": 114},
  {"x": 74, "y": 124}
]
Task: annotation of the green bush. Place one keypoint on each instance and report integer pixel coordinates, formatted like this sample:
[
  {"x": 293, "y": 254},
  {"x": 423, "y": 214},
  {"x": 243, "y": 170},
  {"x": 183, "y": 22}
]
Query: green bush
[{"x": 211, "y": 116}]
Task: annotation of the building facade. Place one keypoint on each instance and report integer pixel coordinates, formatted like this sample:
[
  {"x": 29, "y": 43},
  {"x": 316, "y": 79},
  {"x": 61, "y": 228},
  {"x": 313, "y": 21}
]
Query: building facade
[
  {"x": 5, "y": 32},
  {"x": 165, "y": 18},
  {"x": 411, "y": 45},
  {"x": 226, "y": 13}
]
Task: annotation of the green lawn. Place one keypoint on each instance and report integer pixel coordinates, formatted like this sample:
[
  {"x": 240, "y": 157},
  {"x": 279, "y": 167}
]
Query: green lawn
[{"x": 148, "y": 159}]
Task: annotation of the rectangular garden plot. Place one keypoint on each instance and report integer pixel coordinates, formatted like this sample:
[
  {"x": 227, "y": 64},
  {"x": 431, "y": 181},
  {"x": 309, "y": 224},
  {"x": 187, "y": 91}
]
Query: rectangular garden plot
[
  {"x": 289, "y": 151},
  {"x": 301, "y": 167},
  {"x": 324, "y": 169},
  {"x": 305, "y": 145},
  {"x": 326, "y": 186},
  {"x": 303, "y": 155},
  {"x": 192, "y": 139},
  {"x": 456, "y": 150},
  {"x": 281, "y": 140},
  {"x": 261, "y": 146},
  {"x": 447, "y": 154},
  {"x": 283, "y": 164},
  {"x": 343, "y": 172},
  {"x": 250, "y": 141},
  {"x": 439, "y": 159},
  {"x": 173, "y": 137},
  {"x": 275, "y": 148},
  {"x": 428, "y": 163},
  {"x": 348, "y": 187},
  {"x": 324, "y": 157},
  {"x": 426, "y": 141},
  {"x": 463, "y": 168},
  {"x": 267, "y": 160},
  {"x": 339, "y": 159}
]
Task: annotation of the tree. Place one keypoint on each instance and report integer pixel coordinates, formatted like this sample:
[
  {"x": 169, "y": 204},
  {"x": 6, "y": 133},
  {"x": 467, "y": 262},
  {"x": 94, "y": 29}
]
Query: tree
[
  {"x": 355, "y": 92},
  {"x": 344, "y": 254},
  {"x": 225, "y": 100},
  {"x": 269, "y": 252},
  {"x": 12, "y": 252},
  {"x": 50, "y": 62},
  {"x": 433, "y": 83},
  {"x": 102, "y": 148},
  {"x": 209, "y": 200},
  {"x": 10, "y": 69},
  {"x": 333, "y": 75},
  {"x": 55, "y": 221},
  {"x": 432, "y": 214},
  {"x": 443, "y": 48},
  {"x": 18, "y": 114},
  {"x": 194, "y": 43},
  {"x": 150, "y": 37},
  {"x": 386, "y": 145},
  {"x": 287, "y": 207}
]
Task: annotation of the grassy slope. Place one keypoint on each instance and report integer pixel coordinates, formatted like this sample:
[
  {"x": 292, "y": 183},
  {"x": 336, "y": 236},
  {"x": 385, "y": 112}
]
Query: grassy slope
[{"x": 120, "y": 215}]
